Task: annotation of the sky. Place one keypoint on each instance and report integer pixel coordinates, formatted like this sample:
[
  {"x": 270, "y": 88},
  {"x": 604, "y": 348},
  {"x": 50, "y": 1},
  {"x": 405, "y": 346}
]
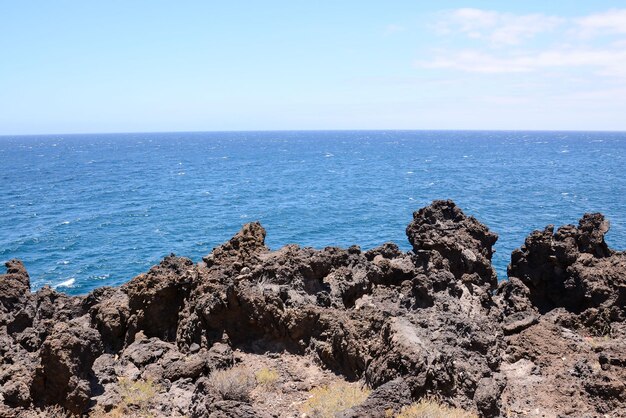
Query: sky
[{"x": 150, "y": 66}]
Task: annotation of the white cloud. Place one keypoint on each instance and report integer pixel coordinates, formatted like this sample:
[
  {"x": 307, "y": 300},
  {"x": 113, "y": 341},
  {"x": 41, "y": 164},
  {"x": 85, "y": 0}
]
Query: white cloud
[
  {"x": 561, "y": 51},
  {"x": 609, "y": 22},
  {"x": 603, "y": 62},
  {"x": 497, "y": 28}
]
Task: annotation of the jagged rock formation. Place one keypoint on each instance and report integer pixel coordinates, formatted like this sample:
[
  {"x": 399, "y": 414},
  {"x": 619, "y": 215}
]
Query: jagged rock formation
[
  {"x": 565, "y": 302},
  {"x": 433, "y": 321}
]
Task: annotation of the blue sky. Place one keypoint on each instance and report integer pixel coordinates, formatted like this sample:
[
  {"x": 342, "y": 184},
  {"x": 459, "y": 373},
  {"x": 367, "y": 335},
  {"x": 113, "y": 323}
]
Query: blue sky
[{"x": 139, "y": 66}]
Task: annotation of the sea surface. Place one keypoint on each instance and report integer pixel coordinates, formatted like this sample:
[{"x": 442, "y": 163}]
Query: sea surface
[{"x": 84, "y": 211}]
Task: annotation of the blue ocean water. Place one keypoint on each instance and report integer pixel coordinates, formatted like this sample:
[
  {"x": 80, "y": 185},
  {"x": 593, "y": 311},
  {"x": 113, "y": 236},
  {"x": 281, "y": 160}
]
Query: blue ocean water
[{"x": 84, "y": 211}]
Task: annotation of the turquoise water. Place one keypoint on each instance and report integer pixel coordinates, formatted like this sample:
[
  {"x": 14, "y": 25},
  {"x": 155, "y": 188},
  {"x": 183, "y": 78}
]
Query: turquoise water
[{"x": 89, "y": 210}]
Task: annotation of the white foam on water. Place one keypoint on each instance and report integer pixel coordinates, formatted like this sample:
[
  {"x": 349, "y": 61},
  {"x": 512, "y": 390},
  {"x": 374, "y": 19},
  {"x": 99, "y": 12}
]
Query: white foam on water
[{"x": 66, "y": 283}]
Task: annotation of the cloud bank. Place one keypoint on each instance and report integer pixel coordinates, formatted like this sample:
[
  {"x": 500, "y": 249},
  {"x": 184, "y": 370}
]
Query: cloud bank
[{"x": 500, "y": 43}]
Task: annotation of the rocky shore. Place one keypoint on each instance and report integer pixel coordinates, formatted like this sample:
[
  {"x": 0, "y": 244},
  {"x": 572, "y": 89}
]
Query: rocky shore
[{"x": 250, "y": 332}]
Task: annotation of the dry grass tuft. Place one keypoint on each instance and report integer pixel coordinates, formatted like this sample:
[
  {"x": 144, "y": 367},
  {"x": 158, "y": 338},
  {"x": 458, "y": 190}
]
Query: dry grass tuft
[
  {"x": 266, "y": 377},
  {"x": 430, "y": 408},
  {"x": 326, "y": 401},
  {"x": 136, "y": 398},
  {"x": 234, "y": 384},
  {"x": 51, "y": 411}
]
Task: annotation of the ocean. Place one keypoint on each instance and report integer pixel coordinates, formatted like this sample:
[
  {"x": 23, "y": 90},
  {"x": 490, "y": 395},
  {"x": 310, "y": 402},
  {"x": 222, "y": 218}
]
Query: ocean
[{"x": 84, "y": 211}]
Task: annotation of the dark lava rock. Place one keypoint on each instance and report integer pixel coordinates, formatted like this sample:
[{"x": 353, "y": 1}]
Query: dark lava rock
[
  {"x": 110, "y": 313},
  {"x": 14, "y": 286},
  {"x": 160, "y": 293},
  {"x": 391, "y": 396},
  {"x": 430, "y": 322},
  {"x": 64, "y": 376},
  {"x": 464, "y": 243},
  {"x": 572, "y": 268}
]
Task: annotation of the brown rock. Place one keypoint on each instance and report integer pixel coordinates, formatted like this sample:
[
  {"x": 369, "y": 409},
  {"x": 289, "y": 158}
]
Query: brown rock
[{"x": 65, "y": 373}]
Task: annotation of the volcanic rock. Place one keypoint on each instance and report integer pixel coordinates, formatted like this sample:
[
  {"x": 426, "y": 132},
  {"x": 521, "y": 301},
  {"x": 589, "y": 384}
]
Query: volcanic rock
[{"x": 434, "y": 322}]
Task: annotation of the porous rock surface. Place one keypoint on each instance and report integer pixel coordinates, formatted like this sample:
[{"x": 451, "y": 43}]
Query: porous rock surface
[{"x": 548, "y": 342}]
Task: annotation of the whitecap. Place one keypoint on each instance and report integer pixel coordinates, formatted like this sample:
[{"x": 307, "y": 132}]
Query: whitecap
[
  {"x": 182, "y": 173},
  {"x": 66, "y": 283},
  {"x": 328, "y": 154},
  {"x": 65, "y": 223},
  {"x": 409, "y": 172}
]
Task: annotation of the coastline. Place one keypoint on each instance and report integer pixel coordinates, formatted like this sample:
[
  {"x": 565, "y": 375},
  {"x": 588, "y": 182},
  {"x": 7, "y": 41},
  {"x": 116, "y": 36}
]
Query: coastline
[{"x": 430, "y": 322}]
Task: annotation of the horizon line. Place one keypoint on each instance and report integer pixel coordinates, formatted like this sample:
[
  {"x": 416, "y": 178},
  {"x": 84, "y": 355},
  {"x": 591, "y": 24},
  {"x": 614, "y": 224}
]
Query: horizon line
[{"x": 312, "y": 130}]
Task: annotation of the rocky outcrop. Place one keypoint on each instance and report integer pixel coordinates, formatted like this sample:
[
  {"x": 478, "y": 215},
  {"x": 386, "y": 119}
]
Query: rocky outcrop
[
  {"x": 64, "y": 375},
  {"x": 565, "y": 301},
  {"x": 571, "y": 268},
  {"x": 463, "y": 244},
  {"x": 160, "y": 293},
  {"x": 430, "y": 322}
]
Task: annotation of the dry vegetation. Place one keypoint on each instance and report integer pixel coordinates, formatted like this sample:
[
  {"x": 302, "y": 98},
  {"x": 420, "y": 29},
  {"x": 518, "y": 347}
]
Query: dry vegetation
[
  {"x": 53, "y": 411},
  {"x": 326, "y": 401},
  {"x": 235, "y": 383},
  {"x": 136, "y": 397},
  {"x": 266, "y": 377},
  {"x": 430, "y": 408}
]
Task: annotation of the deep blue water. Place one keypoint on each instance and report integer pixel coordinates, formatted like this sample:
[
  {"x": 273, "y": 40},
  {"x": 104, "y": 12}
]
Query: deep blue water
[{"x": 100, "y": 209}]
